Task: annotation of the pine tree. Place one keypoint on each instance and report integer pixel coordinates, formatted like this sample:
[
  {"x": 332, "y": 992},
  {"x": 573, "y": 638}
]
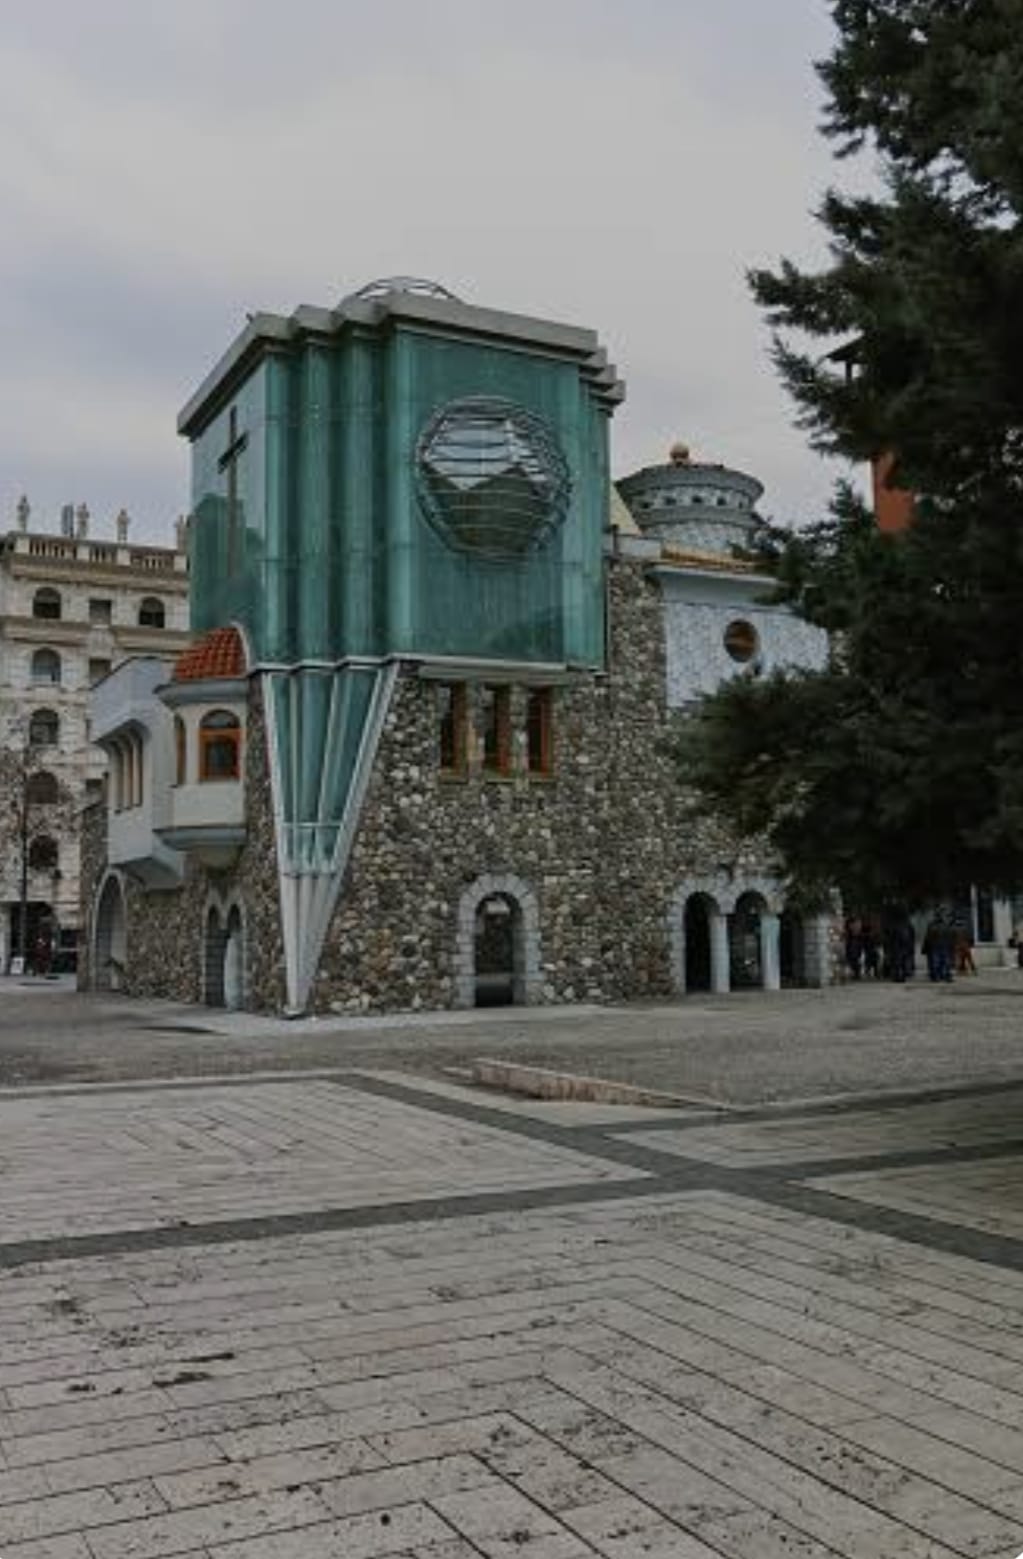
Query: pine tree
[{"x": 898, "y": 771}]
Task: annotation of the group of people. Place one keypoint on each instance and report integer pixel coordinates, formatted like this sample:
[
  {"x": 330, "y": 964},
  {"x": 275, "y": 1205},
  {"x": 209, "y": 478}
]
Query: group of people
[{"x": 885, "y": 948}]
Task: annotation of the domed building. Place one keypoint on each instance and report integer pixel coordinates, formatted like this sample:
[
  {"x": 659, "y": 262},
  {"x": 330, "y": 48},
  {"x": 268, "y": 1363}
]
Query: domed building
[{"x": 421, "y": 754}]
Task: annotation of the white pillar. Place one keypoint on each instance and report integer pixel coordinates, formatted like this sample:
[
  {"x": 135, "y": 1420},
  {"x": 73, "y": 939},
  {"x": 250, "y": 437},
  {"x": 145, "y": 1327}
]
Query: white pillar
[
  {"x": 817, "y": 942},
  {"x": 233, "y": 972},
  {"x": 720, "y": 973},
  {"x": 770, "y": 952},
  {"x": 1003, "y": 930}
]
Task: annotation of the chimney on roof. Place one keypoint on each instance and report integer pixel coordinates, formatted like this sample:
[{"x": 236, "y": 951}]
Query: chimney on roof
[
  {"x": 181, "y": 533},
  {"x": 23, "y": 510},
  {"x": 122, "y": 522},
  {"x": 82, "y": 516},
  {"x": 67, "y": 519}
]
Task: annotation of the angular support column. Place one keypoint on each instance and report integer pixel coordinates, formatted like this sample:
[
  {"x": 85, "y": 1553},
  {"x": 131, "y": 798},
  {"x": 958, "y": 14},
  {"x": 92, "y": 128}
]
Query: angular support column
[
  {"x": 720, "y": 953},
  {"x": 770, "y": 952},
  {"x": 323, "y": 727}
]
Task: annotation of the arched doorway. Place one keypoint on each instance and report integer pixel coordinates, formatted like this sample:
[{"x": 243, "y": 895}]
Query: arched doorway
[
  {"x": 110, "y": 943},
  {"x": 792, "y": 948},
  {"x": 233, "y": 962},
  {"x": 745, "y": 943},
  {"x": 214, "y": 946},
  {"x": 696, "y": 928},
  {"x": 498, "y": 951}
]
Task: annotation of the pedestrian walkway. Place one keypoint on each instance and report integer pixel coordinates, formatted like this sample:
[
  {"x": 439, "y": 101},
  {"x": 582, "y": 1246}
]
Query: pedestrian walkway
[{"x": 350, "y": 1316}]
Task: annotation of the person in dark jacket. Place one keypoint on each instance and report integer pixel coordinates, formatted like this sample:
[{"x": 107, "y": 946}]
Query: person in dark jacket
[{"x": 939, "y": 948}]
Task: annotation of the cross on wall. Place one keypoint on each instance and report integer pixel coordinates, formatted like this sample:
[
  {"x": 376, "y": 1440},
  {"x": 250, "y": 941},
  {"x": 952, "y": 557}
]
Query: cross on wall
[{"x": 236, "y": 444}]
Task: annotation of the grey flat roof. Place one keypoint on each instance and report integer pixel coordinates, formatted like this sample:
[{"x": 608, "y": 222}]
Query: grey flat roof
[{"x": 264, "y": 332}]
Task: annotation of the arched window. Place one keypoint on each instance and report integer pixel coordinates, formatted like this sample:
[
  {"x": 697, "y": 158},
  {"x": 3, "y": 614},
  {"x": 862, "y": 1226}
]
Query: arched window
[
  {"x": 220, "y": 739},
  {"x": 152, "y": 613},
  {"x": 43, "y": 854},
  {"x": 46, "y": 666},
  {"x": 180, "y": 752},
  {"x": 41, "y": 789},
  {"x": 43, "y": 728},
  {"x": 46, "y": 603}
]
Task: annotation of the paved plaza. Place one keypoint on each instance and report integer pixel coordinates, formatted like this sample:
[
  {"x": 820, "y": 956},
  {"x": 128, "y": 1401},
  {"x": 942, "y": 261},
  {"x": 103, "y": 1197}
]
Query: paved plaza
[{"x": 360, "y": 1308}]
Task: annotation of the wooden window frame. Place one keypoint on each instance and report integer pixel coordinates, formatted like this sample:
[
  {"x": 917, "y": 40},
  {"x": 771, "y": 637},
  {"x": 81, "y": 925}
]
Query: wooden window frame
[
  {"x": 212, "y": 735},
  {"x": 540, "y": 699},
  {"x": 500, "y": 768},
  {"x": 180, "y": 751},
  {"x": 458, "y": 767}
]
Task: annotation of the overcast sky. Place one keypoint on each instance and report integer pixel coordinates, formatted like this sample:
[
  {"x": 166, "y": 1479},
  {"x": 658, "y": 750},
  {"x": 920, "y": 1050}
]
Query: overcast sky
[{"x": 610, "y": 163}]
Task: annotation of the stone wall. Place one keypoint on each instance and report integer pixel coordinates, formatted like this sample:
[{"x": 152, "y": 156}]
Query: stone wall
[
  {"x": 601, "y": 844},
  {"x": 596, "y": 852}
]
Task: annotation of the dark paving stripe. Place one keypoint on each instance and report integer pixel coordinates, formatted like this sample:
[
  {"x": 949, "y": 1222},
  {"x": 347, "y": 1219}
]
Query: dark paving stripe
[
  {"x": 907, "y": 1158},
  {"x": 666, "y": 1174},
  {"x": 955, "y": 1239},
  {"x": 120, "y": 1242},
  {"x": 848, "y": 1104}
]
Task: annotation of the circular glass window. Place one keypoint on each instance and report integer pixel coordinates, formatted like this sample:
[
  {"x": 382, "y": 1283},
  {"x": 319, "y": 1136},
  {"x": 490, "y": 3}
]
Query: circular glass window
[
  {"x": 741, "y": 640},
  {"x": 491, "y": 477}
]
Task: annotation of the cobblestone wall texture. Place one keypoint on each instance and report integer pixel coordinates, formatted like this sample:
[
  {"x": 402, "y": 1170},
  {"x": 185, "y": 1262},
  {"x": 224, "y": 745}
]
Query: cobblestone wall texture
[
  {"x": 600, "y": 846},
  {"x": 92, "y": 865},
  {"x": 601, "y": 843}
]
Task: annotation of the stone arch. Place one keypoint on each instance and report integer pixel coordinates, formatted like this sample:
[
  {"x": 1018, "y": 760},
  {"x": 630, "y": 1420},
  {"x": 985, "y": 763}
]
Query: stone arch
[
  {"x": 214, "y": 943},
  {"x": 715, "y": 893},
  {"x": 722, "y": 892},
  {"x": 110, "y": 936},
  {"x": 768, "y": 888},
  {"x": 527, "y": 980},
  {"x": 234, "y": 959},
  {"x": 745, "y": 940}
]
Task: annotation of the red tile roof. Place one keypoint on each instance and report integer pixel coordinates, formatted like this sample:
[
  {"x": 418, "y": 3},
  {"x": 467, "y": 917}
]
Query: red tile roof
[{"x": 219, "y": 653}]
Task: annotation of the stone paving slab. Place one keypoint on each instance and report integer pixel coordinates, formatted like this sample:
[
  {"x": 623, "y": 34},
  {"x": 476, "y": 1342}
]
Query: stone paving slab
[
  {"x": 987, "y": 1196},
  {"x": 460, "y": 1397},
  {"x": 110, "y": 1161},
  {"x": 671, "y": 1368},
  {"x": 867, "y": 1131}
]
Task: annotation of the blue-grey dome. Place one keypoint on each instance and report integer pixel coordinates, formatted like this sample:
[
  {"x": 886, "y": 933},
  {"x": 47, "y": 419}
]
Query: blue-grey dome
[{"x": 693, "y": 504}]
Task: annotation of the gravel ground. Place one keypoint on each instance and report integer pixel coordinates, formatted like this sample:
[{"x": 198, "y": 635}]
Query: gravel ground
[{"x": 744, "y": 1049}]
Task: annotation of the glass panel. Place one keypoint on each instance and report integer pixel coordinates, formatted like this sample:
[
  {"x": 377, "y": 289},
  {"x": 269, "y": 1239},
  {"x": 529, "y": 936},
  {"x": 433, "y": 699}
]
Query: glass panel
[
  {"x": 151, "y": 613},
  {"x": 44, "y": 728},
  {"x": 220, "y": 757},
  {"x": 338, "y": 456},
  {"x": 46, "y": 666},
  {"x": 46, "y": 603}
]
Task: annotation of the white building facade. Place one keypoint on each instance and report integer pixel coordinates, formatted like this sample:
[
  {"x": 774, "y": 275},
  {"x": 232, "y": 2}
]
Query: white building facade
[{"x": 72, "y": 607}]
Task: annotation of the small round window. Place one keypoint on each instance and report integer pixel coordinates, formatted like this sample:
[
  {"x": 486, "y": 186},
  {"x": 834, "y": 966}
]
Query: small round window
[{"x": 741, "y": 640}]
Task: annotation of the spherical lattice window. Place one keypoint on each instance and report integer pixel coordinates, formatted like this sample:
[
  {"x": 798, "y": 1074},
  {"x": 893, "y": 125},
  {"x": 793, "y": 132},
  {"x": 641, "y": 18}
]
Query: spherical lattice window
[
  {"x": 741, "y": 640},
  {"x": 491, "y": 478}
]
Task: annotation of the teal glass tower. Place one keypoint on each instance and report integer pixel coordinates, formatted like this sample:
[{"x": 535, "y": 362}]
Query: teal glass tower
[{"x": 403, "y": 478}]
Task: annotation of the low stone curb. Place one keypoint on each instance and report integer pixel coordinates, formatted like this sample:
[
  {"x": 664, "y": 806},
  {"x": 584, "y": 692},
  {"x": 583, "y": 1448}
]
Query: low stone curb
[{"x": 537, "y": 1082}]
